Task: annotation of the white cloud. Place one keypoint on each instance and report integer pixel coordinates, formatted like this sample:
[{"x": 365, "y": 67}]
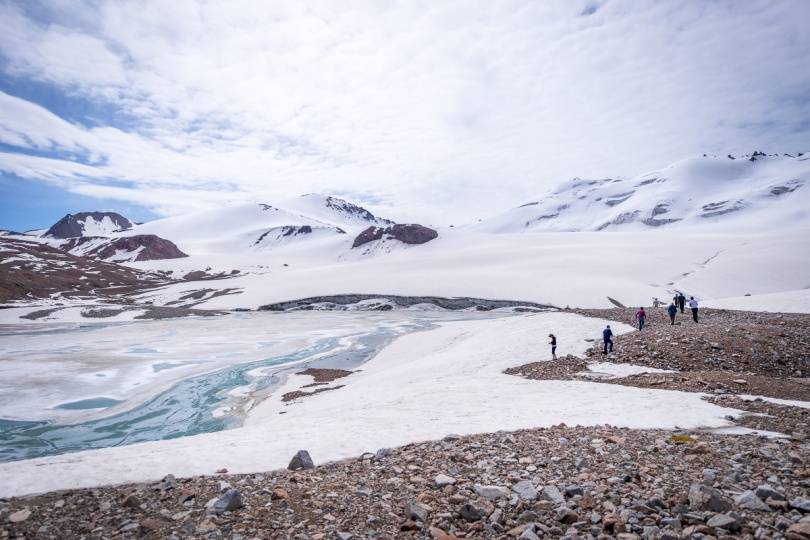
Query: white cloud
[{"x": 448, "y": 109}]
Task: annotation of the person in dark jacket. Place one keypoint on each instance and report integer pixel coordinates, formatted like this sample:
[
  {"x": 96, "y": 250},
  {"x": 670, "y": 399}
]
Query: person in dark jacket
[
  {"x": 607, "y": 337},
  {"x": 641, "y": 317},
  {"x": 681, "y": 301},
  {"x": 553, "y": 344},
  {"x": 672, "y": 310}
]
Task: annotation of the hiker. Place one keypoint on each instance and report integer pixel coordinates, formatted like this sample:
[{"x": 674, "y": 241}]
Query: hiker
[
  {"x": 607, "y": 334},
  {"x": 693, "y": 305},
  {"x": 672, "y": 310},
  {"x": 657, "y": 302},
  {"x": 681, "y": 301},
  {"x": 553, "y": 344},
  {"x": 641, "y": 317}
]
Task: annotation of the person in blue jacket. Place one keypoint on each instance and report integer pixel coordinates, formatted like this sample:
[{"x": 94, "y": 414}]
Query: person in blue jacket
[
  {"x": 607, "y": 337},
  {"x": 672, "y": 310}
]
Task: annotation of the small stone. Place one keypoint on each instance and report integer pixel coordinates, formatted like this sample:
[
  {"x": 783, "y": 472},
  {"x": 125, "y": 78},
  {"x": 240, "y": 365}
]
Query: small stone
[
  {"x": 19, "y": 516},
  {"x": 491, "y": 492},
  {"x": 222, "y": 471},
  {"x": 767, "y": 492},
  {"x": 442, "y": 480},
  {"x": 228, "y": 501},
  {"x": 724, "y": 521},
  {"x": 525, "y": 490},
  {"x": 528, "y": 533},
  {"x": 707, "y": 498},
  {"x": 301, "y": 460},
  {"x": 749, "y": 501},
  {"x": 798, "y": 531},
  {"x": 552, "y": 493},
  {"x": 345, "y": 536},
  {"x": 131, "y": 501},
  {"x": 473, "y": 512},
  {"x": 416, "y": 512},
  {"x": 206, "y": 526},
  {"x": 279, "y": 493},
  {"x": 801, "y": 504}
]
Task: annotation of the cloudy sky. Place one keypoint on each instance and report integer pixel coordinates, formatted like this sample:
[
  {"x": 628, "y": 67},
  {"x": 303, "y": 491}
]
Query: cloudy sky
[{"x": 436, "y": 111}]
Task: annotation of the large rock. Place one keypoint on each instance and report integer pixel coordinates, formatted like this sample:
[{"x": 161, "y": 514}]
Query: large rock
[
  {"x": 707, "y": 498},
  {"x": 227, "y": 502},
  {"x": 301, "y": 460},
  {"x": 798, "y": 531},
  {"x": 801, "y": 503},
  {"x": 749, "y": 501},
  {"x": 407, "y": 234}
]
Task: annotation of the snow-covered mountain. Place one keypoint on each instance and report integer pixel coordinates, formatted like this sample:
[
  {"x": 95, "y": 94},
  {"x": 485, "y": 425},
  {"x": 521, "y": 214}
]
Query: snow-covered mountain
[
  {"x": 88, "y": 224},
  {"x": 755, "y": 192}
]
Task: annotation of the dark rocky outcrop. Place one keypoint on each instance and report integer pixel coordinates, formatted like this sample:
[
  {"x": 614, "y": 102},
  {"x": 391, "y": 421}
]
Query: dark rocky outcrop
[
  {"x": 405, "y": 233},
  {"x": 481, "y": 304},
  {"x": 154, "y": 247},
  {"x": 72, "y": 225}
]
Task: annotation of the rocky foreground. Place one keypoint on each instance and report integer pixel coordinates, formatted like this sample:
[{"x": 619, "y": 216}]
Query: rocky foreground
[
  {"x": 569, "y": 482},
  {"x": 573, "y": 482}
]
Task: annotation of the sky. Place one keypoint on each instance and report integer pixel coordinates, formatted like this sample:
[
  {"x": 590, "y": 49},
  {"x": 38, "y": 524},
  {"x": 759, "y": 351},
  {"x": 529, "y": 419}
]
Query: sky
[{"x": 434, "y": 111}]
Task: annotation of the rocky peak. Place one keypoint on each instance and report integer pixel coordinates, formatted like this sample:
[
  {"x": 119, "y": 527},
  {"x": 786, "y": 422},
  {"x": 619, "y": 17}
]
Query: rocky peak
[
  {"x": 405, "y": 233},
  {"x": 88, "y": 224}
]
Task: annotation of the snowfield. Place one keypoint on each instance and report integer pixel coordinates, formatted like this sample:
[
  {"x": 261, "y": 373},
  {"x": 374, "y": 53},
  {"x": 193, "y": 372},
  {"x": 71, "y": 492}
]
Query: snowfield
[{"x": 423, "y": 386}]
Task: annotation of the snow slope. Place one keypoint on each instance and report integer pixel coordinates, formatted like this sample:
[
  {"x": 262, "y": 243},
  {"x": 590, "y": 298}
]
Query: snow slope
[
  {"x": 422, "y": 386},
  {"x": 768, "y": 193},
  {"x": 562, "y": 269}
]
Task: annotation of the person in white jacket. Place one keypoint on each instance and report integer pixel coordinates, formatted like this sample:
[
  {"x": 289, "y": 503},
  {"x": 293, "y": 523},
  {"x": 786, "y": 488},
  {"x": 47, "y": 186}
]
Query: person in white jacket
[{"x": 693, "y": 305}]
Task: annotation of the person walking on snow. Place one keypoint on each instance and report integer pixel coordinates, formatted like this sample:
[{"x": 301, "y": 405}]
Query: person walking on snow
[
  {"x": 553, "y": 344},
  {"x": 693, "y": 305},
  {"x": 607, "y": 335},
  {"x": 672, "y": 310},
  {"x": 641, "y": 317},
  {"x": 681, "y": 301}
]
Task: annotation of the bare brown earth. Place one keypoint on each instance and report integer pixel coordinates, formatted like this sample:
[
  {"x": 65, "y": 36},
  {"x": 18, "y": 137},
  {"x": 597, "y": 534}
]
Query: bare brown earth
[
  {"x": 30, "y": 270},
  {"x": 568, "y": 482}
]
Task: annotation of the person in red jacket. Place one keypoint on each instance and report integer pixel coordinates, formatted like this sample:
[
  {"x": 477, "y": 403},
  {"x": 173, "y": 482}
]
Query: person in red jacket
[{"x": 641, "y": 317}]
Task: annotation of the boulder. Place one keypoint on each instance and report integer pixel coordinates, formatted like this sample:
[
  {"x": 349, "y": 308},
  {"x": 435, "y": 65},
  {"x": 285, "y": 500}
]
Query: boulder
[
  {"x": 703, "y": 498},
  {"x": 301, "y": 460},
  {"x": 525, "y": 490},
  {"x": 405, "y": 233},
  {"x": 227, "y": 502},
  {"x": 491, "y": 492}
]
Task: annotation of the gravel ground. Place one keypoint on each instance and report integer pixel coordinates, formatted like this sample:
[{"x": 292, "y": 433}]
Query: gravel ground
[{"x": 563, "y": 481}]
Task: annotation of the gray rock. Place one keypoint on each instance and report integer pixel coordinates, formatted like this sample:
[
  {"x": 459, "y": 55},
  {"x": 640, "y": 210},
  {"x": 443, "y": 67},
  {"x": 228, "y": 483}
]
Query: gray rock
[
  {"x": 442, "y": 480},
  {"x": 472, "y": 512},
  {"x": 491, "y": 492},
  {"x": 765, "y": 491},
  {"x": 528, "y": 533},
  {"x": 525, "y": 490},
  {"x": 709, "y": 475},
  {"x": 724, "y": 521},
  {"x": 382, "y": 453},
  {"x": 703, "y": 498},
  {"x": 749, "y": 501},
  {"x": 228, "y": 501},
  {"x": 801, "y": 504},
  {"x": 301, "y": 460},
  {"x": 552, "y": 493},
  {"x": 345, "y": 536},
  {"x": 572, "y": 491},
  {"x": 416, "y": 512}
]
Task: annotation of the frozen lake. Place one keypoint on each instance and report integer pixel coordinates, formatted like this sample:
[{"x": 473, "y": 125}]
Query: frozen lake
[{"x": 70, "y": 387}]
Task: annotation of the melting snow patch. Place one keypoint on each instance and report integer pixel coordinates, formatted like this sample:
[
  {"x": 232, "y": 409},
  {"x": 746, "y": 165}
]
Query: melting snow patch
[{"x": 608, "y": 370}]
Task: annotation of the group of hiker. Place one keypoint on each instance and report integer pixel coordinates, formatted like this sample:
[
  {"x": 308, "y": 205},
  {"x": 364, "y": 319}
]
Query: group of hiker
[{"x": 678, "y": 303}]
